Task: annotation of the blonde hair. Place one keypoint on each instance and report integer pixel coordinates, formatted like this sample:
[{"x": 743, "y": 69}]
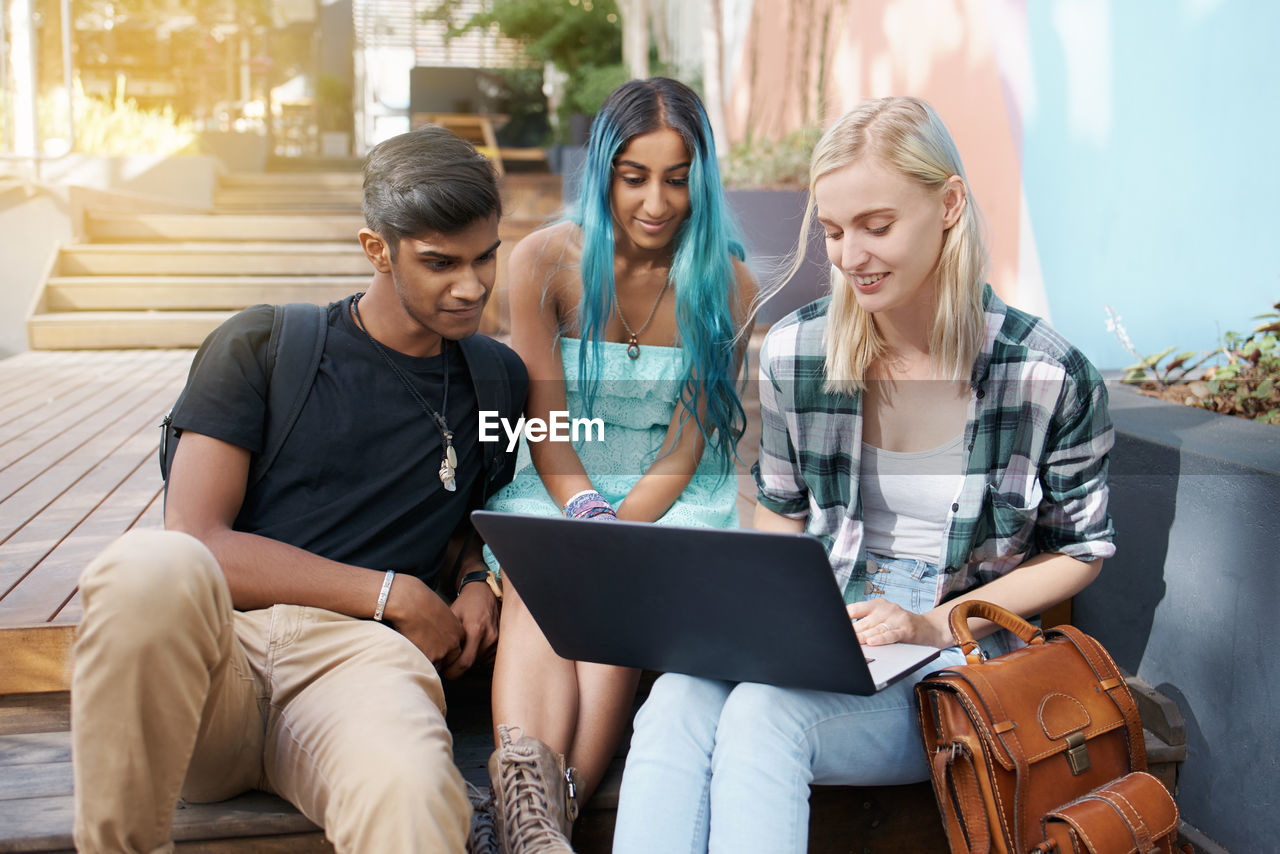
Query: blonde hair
[{"x": 904, "y": 134}]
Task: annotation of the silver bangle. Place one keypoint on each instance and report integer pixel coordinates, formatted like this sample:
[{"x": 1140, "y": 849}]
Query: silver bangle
[{"x": 382, "y": 597}]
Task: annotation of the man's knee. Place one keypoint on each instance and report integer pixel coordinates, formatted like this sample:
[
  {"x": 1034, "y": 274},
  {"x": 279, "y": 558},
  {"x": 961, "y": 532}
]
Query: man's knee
[
  {"x": 152, "y": 578},
  {"x": 412, "y": 787},
  {"x": 418, "y": 767}
]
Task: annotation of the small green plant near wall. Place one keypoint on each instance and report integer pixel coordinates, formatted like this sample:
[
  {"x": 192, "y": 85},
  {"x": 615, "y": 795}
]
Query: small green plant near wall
[
  {"x": 1241, "y": 378},
  {"x": 114, "y": 126},
  {"x": 772, "y": 164}
]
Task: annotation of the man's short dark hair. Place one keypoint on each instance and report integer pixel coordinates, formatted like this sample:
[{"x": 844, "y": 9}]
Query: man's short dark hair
[{"x": 427, "y": 180}]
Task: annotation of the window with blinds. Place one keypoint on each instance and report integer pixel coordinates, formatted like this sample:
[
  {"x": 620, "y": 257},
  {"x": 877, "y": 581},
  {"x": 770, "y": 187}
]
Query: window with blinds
[{"x": 399, "y": 24}]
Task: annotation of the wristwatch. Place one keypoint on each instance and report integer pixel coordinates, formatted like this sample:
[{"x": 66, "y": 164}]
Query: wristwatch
[{"x": 481, "y": 575}]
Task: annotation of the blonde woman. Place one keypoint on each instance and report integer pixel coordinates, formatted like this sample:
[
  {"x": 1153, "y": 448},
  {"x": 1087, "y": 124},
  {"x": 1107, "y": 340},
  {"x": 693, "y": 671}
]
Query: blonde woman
[{"x": 942, "y": 445}]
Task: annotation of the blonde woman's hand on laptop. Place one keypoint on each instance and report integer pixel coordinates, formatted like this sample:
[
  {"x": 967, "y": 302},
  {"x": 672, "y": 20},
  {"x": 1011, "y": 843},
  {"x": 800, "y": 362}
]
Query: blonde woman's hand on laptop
[{"x": 878, "y": 622}]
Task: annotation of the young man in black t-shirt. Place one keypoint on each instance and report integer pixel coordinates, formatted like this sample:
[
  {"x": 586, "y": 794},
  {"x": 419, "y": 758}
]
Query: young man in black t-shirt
[{"x": 284, "y": 634}]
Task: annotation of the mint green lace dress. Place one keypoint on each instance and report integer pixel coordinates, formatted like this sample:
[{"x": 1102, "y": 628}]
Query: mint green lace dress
[{"x": 636, "y": 400}]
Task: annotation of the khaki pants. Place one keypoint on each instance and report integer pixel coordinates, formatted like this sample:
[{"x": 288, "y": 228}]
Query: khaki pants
[{"x": 176, "y": 692}]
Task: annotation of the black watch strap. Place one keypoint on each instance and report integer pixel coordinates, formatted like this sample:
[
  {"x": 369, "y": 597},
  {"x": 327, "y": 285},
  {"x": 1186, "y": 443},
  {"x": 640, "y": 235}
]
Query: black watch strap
[{"x": 473, "y": 575}]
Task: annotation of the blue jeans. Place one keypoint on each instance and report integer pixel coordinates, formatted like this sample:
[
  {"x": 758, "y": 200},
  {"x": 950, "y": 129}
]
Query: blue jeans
[{"x": 726, "y": 767}]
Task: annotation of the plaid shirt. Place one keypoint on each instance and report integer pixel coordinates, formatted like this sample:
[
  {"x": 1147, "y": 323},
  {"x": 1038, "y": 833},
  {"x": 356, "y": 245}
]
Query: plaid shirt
[{"x": 1036, "y": 443}]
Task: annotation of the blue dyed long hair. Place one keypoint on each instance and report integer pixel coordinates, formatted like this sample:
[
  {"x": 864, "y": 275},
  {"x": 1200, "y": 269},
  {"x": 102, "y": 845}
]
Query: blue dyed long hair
[{"x": 702, "y": 274}]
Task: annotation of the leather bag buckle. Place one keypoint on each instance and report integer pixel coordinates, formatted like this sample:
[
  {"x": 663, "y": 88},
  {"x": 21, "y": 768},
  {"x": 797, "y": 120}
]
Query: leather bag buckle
[{"x": 1077, "y": 754}]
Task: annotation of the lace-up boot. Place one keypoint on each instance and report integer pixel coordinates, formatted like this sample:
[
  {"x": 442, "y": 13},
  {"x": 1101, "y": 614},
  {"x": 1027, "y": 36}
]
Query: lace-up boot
[
  {"x": 483, "y": 838},
  {"x": 534, "y": 796}
]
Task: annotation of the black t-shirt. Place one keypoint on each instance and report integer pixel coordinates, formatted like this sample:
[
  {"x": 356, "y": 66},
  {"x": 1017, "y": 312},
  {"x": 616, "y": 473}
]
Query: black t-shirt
[{"x": 357, "y": 480}]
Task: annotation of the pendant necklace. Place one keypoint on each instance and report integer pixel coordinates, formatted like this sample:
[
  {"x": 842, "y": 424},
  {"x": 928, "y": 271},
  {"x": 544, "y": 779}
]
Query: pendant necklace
[
  {"x": 449, "y": 463},
  {"x": 633, "y": 346}
]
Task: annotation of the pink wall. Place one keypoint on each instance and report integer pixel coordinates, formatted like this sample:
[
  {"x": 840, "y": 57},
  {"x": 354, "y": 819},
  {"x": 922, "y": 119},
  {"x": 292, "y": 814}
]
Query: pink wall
[{"x": 949, "y": 53}]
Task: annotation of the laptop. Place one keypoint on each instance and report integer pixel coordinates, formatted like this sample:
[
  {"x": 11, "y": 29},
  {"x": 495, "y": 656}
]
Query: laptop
[{"x": 738, "y": 605}]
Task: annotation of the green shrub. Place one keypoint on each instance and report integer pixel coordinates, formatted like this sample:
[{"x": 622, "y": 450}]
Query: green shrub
[
  {"x": 771, "y": 163},
  {"x": 116, "y": 126}
]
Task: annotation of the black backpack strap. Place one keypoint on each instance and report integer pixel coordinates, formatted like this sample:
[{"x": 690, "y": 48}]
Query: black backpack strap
[
  {"x": 169, "y": 440},
  {"x": 493, "y": 392},
  {"x": 293, "y": 357},
  {"x": 492, "y": 384}
]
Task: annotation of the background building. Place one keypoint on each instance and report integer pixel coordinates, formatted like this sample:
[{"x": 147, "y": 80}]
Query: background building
[{"x": 1113, "y": 146}]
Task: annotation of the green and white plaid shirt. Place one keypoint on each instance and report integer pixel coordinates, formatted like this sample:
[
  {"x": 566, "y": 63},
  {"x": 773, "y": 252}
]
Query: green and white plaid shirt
[{"x": 1036, "y": 443}]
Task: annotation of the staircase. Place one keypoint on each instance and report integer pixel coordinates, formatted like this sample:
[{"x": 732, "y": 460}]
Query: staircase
[{"x": 165, "y": 280}]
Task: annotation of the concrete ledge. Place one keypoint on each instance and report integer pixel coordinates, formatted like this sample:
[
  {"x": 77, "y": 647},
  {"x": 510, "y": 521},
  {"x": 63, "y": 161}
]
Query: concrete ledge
[
  {"x": 1199, "y": 843},
  {"x": 1188, "y": 601},
  {"x": 1202, "y": 438}
]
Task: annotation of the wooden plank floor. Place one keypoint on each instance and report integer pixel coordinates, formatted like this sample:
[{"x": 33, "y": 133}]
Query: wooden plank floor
[{"x": 78, "y": 440}]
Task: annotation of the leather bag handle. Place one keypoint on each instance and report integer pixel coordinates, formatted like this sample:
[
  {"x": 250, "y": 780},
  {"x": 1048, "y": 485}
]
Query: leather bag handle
[{"x": 1002, "y": 617}]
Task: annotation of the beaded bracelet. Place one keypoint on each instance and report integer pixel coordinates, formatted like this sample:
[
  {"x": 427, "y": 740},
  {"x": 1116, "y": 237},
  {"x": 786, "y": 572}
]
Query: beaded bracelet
[{"x": 589, "y": 504}]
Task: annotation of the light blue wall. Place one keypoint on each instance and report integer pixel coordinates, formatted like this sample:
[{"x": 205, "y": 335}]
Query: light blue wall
[{"x": 1150, "y": 168}]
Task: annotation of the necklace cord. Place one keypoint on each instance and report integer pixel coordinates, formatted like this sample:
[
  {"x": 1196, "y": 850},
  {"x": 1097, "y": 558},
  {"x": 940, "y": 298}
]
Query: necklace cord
[
  {"x": 449, "y": 463},
  {"x": 633, "y": 346}
]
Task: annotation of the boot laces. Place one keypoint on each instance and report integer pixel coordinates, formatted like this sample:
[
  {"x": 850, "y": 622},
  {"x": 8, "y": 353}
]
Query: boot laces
[
  {"x": 531, "y": 823},
  {"x": 483, "y": 838}
]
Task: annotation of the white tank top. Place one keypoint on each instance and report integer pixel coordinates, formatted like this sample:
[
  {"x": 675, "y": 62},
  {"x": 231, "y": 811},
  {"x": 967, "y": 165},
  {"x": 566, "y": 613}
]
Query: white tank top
[{"x": 907, "y": 498}]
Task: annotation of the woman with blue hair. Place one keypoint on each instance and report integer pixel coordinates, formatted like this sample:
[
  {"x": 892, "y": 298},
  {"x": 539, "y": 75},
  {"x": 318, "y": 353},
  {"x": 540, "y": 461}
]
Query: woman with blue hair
[{"x": 633, "y": 310}]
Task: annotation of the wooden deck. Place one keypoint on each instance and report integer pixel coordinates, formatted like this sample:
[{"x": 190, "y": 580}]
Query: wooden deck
[{"x": 78, "y": 440}]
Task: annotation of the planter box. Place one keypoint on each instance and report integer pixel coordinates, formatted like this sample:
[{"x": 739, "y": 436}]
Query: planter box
[
  {"x": 770, "y": 221},
  {"x": 1189, "y": 601}
]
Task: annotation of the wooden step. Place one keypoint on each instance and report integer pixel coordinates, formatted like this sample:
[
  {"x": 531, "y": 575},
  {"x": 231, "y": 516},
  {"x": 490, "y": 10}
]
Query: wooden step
[
  {"x": 37, "y": 658},
  {"x": 186, "y": 293},
  {"x": 894, "y": 819},
  {"x": 35, "y": 810},
  {"x": 109, "y": 330},
  {"x": 283, "y": 207},
  {"x": 303, "y": 197},
  {"x": 292, "y": 180},
  {"x": 302, "y": 227},
  {"x": 111, "y": 226},
  {"x": 35, "y": 807},
  {"x": 535, "y": 196},
  {"x": 212, "y": 259}
]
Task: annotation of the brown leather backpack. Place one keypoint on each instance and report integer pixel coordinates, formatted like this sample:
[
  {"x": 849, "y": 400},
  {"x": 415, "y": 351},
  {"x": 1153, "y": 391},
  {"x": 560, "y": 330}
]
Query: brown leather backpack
[{"x": 1015, "y": 739}]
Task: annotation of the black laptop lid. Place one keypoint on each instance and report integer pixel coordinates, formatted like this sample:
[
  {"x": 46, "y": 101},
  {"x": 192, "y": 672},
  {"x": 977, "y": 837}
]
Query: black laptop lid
[{"x": 744, "y": 606}]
